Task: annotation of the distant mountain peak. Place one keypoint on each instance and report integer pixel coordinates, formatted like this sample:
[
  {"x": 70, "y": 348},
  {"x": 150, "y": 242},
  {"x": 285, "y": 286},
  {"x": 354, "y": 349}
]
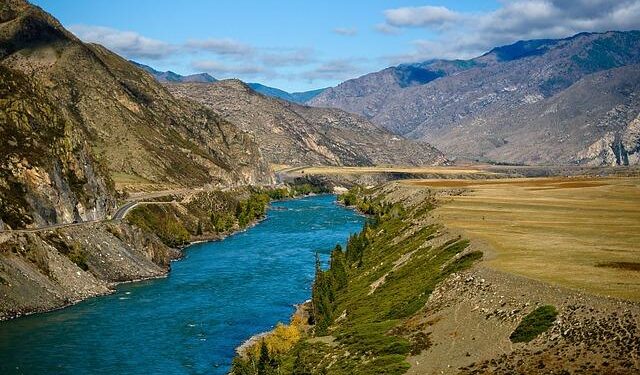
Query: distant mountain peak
[
  {"x": 169, "y": 76},
  {"x": 504, "y": 105}
]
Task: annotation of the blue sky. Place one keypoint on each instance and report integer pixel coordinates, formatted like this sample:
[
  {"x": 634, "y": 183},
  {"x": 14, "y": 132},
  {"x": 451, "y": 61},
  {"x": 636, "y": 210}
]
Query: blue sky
[{"x": 300, "y": 45}]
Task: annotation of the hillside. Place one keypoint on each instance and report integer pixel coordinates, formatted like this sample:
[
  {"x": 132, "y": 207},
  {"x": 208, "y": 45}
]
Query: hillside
[
  {"x": 517, "y": 103},
  {"x": 110, "y": 120},
  {"x": 297, "y": 135},
  {"x": 171, "y": 77}
]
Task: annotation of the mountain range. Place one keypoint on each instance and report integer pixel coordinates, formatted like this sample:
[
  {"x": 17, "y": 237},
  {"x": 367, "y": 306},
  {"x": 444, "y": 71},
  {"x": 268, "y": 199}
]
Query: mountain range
[
  {"x": 293, "y": 134},
  {"x": 171, "y": 77},
  {"x": 549, "y": 101}
]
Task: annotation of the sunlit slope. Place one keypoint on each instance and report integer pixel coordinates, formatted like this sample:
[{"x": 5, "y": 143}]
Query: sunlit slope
[{"x": 580, "y": 233}]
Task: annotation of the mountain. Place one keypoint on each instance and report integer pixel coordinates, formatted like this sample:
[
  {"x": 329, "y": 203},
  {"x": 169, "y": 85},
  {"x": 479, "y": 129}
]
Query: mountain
[
  {"x": 295, "y": 97},
  {"x": 169, "y": 76},
  {"x": 293, "y": 134},
  {"x": 76, "y": 117},
  {"x": 535, "y": 102}
]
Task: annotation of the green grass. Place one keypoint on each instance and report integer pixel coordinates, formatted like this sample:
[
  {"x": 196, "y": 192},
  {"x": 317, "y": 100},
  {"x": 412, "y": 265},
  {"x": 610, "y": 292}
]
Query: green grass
[
  {"x": 536, "y": 322},
  {"x": 162, "y": 221}
]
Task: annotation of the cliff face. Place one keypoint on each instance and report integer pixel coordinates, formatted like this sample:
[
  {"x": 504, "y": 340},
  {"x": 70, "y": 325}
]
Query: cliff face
[
  {"x": 509, "y": 104},
  {"x": 48, "y": 173},
  {"x": 293, "y": 134},
  {"x": 42, "y": 270}
]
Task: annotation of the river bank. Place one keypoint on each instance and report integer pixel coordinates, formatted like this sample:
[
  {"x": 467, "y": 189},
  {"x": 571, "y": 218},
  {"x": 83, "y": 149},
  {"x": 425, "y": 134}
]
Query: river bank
[
  {"x": 218, "y": 295},
  {"x": 53, "y": 269}
]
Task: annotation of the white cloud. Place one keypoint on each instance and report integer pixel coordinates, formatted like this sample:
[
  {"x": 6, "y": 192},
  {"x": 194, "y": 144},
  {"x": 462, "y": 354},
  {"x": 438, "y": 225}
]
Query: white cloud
[
  {"x": 463, "y": 35},
  {"x": 424, "y": 16},
  {"x": 384, "y": 28},
  {"x": 290, "y": 57},
  {"x": 128, "y": 43},
  {"x": 345, "y": 31},
  {"x": 332, "y": 70}
]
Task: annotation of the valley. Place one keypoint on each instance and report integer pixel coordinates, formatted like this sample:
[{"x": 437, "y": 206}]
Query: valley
[{"x": 163, "y": 212}]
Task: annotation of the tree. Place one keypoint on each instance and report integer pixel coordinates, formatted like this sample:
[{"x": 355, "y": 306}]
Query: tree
[
  {"x": 264, "y": 362},
  {"x": 338, "y": 269},
  {"x": 321, "y": 299}
]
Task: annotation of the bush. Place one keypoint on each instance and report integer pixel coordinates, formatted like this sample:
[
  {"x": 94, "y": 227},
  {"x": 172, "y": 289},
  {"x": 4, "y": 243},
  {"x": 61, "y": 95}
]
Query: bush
[{"x": 536, "y": 322}]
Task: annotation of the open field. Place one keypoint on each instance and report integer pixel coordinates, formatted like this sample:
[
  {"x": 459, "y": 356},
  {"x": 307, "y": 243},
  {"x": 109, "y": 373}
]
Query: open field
[
  {"x": 446, "y": 170},
  {"x": 583, "y": 233}
]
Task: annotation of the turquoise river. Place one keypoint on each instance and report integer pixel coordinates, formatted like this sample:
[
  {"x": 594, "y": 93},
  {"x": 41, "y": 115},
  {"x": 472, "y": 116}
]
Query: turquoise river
[{"x": 219, "y": 295}]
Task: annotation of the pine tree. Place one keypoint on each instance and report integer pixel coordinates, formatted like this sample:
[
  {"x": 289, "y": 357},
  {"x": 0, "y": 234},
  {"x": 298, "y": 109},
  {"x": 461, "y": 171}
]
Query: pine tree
[
  {"x": 338, "y": 269},
  {"x": 322, "y": 297},
  {"x": 264, "y": 362}
]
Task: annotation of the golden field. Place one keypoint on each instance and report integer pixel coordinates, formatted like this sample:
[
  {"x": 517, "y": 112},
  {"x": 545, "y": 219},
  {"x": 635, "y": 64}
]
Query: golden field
[
  {"x": 444, "y": 170},
  {"x": 583, "y": 233}
]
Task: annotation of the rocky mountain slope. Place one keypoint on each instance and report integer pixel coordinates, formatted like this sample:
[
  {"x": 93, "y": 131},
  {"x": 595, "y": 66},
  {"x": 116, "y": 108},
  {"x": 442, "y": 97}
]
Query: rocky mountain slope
[
  {"x": 48, "y": 173},
  {"x": 540, "y": 101},
  {"x": 169, "y": 76},
  {"x": 76, "y": 114},
  {"x": 297, "y": 135}
]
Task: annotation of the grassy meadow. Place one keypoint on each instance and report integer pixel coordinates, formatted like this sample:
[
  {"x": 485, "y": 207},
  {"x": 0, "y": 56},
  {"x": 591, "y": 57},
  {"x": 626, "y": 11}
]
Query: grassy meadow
[{"x": 583, "y": 233}]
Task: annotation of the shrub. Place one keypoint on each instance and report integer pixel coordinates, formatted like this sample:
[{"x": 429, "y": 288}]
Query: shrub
[{"x": 536, "y": 322}]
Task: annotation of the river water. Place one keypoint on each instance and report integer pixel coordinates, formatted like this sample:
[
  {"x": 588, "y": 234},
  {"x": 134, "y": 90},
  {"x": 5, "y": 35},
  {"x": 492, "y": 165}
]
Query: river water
[{"x": 219, "y": 295}]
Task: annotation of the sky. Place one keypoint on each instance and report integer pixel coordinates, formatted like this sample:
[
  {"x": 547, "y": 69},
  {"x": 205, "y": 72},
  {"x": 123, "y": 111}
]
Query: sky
[{"x": 301, "y": 45}]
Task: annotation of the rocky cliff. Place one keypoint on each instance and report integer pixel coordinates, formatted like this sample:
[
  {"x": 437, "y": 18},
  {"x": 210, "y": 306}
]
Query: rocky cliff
[
  {"x": 48, "y": 173},
  {"x": 293, "y": 134},
  {"x": 507, "y": 105}
]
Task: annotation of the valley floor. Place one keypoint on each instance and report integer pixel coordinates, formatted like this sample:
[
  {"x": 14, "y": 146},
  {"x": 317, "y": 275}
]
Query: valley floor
[{"x": 581, "y": 233}]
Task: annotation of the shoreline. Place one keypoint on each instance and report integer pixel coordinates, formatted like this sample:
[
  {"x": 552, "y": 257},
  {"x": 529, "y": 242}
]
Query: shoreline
[
  {"x": 300, "y": 310},
  {"x": 112, "y": 286}
]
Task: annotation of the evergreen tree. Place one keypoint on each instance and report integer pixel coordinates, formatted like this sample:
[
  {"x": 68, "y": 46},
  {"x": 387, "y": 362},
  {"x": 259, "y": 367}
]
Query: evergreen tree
[
  {"x": 264, "y": 362},
  {"x": 338, "y": 269},
  {"x": 322, "y": 298}
]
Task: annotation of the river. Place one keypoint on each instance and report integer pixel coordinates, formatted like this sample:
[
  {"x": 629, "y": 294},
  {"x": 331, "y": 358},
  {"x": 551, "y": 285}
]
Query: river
[{"x": 217, "y": 296}]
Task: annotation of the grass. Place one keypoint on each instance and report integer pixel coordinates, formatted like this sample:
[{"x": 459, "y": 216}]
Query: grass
[
  {"x": 391, "y": 169},
  {"x": 581, "y": 233},
  {"x": 535, "y": 323}
]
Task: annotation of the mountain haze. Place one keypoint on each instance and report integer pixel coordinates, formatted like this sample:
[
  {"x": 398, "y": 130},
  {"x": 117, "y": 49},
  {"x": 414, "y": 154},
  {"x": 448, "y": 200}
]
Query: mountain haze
[{"x": 507, "y": 105}]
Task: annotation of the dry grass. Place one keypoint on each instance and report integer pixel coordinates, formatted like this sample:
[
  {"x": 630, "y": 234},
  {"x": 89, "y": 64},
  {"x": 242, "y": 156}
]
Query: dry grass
[
  {"x": 138, "y": 185},
  {"x": 569, "y": 231},
  {"x": 323, "y": 170}
]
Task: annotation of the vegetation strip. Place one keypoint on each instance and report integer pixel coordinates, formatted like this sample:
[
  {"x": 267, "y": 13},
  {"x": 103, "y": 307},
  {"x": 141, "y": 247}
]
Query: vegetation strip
[{"x": 353, "y": 329}]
